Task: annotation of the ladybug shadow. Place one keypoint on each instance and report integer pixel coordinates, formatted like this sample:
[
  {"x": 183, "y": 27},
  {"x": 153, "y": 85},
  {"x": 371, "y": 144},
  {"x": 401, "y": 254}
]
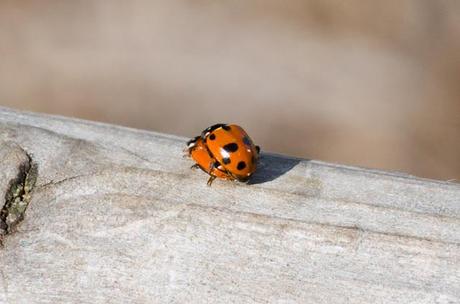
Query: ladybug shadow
[{"x": 270, "y": 167}]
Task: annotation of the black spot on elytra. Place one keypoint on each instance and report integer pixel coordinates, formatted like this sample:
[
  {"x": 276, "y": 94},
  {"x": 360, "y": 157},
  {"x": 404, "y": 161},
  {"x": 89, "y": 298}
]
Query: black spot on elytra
[
  {"x": 232, "y": 147},
  {"x": 216, "y": 164},
  {"x": 226, "y": 160},
  {"x": 212, "y": 136},
  {"x": 241, "y": 165},
  {"x": 247, "y": 141}
]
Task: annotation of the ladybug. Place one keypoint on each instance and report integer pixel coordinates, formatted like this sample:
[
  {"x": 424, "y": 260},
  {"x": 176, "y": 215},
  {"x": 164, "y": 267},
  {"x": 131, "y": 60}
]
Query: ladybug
[{"x": 224, "y": 151}]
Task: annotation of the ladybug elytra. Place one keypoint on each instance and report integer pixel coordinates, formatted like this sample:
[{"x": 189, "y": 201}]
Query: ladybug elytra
[{"x": 224, "y": 151}]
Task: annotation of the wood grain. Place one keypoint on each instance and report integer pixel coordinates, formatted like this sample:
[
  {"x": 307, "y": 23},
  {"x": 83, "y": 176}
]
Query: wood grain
[{"x": 117, "y": 216}]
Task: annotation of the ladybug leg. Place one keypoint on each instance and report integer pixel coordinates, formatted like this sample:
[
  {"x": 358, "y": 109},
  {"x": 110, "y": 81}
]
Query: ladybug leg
[
  {"x": 212, "y": 177},
  {"x": 258, "y": 149},
  {"x": 210, "y": 180},
  {"x": 195, "y": 166}
]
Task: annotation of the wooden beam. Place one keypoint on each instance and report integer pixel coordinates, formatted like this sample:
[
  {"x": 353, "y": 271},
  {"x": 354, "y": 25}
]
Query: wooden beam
[{"x": 116, "y": 215}]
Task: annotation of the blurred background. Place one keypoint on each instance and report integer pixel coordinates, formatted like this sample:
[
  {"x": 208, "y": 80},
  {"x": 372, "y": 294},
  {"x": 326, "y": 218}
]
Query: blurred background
[{"x": 367, "y": 83}]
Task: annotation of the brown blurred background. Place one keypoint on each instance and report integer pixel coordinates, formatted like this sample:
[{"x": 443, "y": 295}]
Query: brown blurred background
[{"x": 369, "y": 83}]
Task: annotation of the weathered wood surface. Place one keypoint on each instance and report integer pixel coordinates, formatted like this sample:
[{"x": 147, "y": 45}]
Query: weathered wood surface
[{"x": 117, "y": 216}]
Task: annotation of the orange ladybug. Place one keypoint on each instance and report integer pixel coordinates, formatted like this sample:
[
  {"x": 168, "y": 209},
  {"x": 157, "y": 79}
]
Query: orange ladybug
[{"x": 224, "y": 151}]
